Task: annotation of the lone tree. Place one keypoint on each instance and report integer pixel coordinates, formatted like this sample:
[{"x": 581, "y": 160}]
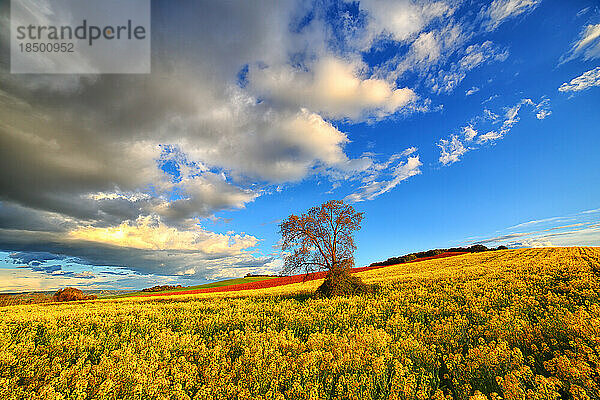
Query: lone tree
[{"x": 321, "y": 239}]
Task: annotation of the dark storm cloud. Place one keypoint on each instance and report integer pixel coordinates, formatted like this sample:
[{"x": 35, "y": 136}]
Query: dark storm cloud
[
  {"x": 81, "y": 152},
  {"x": 34, "y": 259}
]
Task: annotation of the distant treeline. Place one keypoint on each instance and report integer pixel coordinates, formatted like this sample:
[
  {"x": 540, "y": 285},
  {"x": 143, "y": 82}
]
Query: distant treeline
[
  {"x": 476, "y": 248},
  {"x": 24, "y": 298},
  {"x": 66, "y": 294},
  {"x": 161, "y": 288},
  {"x": 262, "y": 276}
]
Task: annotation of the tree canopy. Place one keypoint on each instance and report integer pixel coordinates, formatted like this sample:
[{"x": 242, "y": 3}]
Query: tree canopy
[{"x": 321, "y": 238}]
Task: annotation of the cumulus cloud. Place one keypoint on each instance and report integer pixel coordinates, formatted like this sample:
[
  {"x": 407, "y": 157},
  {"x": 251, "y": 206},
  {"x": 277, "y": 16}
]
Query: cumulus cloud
[
  {"x": 333, "y": 87},
  {"x": 584, "y": 81},
  {"x": 502, "y": 10},
  {"x": 99, "y": 247},
  {"x": 150, "y": 233},
  {"x": 124, "y": 166},
  {"x": 94, "y": 165},
  {"x": 93, "y": 146},
  {"x": 97, "y": 140}
]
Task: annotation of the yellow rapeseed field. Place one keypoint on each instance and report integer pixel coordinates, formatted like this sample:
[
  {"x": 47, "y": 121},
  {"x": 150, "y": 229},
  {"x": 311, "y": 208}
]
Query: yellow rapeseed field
[{"x": 512, "y": 324}]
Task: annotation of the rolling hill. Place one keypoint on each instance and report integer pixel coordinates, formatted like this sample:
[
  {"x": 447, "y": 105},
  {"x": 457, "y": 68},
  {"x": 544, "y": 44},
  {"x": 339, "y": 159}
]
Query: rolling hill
[{"x": 511, "y": 324}]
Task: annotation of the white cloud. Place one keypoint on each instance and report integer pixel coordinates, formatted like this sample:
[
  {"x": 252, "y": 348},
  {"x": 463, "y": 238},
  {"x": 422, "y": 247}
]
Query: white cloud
[
  {"x": 150, "y": 233},
  {"x": 584, "y": 81},
  {"x": 451, "y": 150},
  {"x": 492, "y": 97},
  {"x": 593, "y": 211},
  {"x": 426, "y": 48},
  {"x": 189, "y": 271},
  {"x": 409, "y": 151},
  {"x": 22, "y": 279},
  {"x": 432, "y": 37},
  {"x": 490, "y": 136},
  {"x": 582, "y": 11},
  {"x": 130, "y": 196},
  {"x": 587, "y": 46},
  {"x": 475, "y": 55},
  {"x": 400, "y": 20},
  {"x": 426, "y": 52},
  {"x": 490, "y": 115},
  {"x": 543, "y": 114},
  {"x": 542, "y": 109},
  {"x": 511, "y": 116},
  {"x": 502, "y": 10},
  {"x": 333, "y": 87},
  {"x": 581, "y": 230},
  {"x": 84, "y": 275},
  {"x": 589, "y": 42},
  {"x": 538, "y": 221},
  {"x": 374, "y": 186},
  {"x": 469, "y": 132},
  {"x": 471, "y": 91},
  {"x": 247, "y": 108}
]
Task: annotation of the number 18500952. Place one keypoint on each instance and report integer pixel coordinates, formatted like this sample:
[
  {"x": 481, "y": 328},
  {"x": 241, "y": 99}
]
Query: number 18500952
[{"x": 46, "y": 47}]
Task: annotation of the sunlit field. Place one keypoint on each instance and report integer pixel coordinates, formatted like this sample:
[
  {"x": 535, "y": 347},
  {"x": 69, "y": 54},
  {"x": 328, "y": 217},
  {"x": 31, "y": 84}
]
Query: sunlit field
[{"x": 512, "y": 324}]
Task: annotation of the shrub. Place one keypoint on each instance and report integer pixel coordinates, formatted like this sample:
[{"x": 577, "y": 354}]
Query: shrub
[
  {"x": 341, "y": 283},
  {"x": 71, "y": 294}
]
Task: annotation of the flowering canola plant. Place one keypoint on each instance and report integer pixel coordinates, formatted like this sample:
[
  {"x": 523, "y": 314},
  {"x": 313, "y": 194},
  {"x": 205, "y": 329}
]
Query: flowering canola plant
[{"x": 512, "y": 324}]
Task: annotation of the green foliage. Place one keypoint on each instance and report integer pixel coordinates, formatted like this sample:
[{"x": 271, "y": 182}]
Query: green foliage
[{"x": 476, "y": 248}]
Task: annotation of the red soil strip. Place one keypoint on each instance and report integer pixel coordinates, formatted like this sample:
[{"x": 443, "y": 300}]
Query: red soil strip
[{"x": 287, "y": 280}]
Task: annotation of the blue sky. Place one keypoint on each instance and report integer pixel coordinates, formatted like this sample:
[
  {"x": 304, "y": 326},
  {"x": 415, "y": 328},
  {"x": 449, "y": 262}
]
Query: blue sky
[{"x": 448, "y": 123}]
